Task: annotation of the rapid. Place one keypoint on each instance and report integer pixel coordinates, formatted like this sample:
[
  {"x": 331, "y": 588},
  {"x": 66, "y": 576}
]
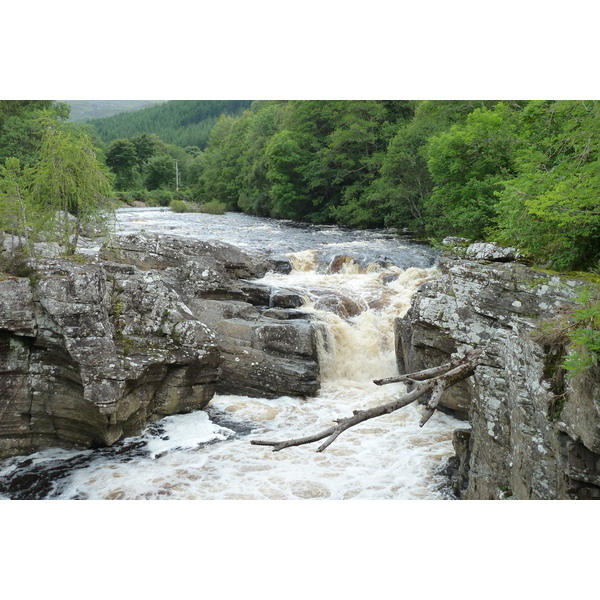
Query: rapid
[{"x": 355, "y": 284}]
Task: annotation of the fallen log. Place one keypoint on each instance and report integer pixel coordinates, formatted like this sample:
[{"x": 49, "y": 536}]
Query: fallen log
[{"x": 429, "y": 381}]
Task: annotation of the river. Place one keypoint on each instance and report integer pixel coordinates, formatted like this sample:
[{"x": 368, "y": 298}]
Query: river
[{"x": 208, "y": 455}]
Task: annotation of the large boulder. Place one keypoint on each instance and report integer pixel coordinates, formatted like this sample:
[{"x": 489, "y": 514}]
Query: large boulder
[
  {"x": 218, "y": 283},
  {"x": 90, "y": 352},
  {"x": 85, "y": 374}
]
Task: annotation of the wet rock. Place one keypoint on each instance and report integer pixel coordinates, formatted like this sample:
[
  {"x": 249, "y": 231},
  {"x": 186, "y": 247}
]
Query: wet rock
[
  {"x": 280, "y": 264},
  {"x": 340, "y": 263},
  {"x": 340, "y": 305},
  {"x": 285, "y": 299},
  {"x": 263, "y": 354},
  {"x": 151, "y": 251},
  {"x": 285, "y": 314}
]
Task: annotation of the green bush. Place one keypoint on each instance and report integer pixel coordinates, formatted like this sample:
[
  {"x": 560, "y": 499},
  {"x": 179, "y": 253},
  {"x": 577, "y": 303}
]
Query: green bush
[
  {"x": 212, "y": 208},
  {"x": 159, "y": 198},
  {"x": 584, "y": 335},
  {"x": 179, "y": 206},
  {"x": 138, "y": 195}
]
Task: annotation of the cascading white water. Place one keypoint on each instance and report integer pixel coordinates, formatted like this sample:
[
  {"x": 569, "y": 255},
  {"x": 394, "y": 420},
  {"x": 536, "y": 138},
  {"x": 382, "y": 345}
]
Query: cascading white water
[
  {"x": 208, "y": 455},
  {"x": 358, "y": 307}
]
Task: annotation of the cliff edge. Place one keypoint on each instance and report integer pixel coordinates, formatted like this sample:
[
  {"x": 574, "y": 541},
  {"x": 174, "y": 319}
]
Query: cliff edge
[{"x": 532, "y": 433}]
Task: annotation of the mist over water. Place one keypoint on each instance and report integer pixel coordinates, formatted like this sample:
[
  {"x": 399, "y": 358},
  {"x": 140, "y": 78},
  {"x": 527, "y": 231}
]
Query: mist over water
[{"x": 355, "y": 283}]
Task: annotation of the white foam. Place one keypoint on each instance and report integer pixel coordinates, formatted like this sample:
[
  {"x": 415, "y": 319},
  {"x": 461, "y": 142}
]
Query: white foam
[
  {"x": 386, "y": 458},
  {"x": 185, "y": 432}
]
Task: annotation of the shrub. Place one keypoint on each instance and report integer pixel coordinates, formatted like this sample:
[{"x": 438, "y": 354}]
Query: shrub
[
  {"x": 159, "y": 198},
  {"x": 138, "y": 195},
  {"x": 584, "y": 334},
  {"x": 179, "y": 206},
  {"x": 212, "y": 208},
  {"x": 15, "y": 263}
]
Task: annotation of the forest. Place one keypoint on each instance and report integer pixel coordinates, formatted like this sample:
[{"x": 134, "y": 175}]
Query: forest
[
  {"x": 521, "y": 173},
  {"x": 179, "y": 122}
]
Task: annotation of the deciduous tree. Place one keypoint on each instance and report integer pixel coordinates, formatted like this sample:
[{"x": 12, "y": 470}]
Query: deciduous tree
[{"x": 70, "y": 181}]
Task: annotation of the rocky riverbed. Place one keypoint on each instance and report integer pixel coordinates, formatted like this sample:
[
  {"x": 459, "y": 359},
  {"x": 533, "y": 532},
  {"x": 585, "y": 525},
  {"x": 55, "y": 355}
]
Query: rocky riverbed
[{"x": 235, "y": 342}]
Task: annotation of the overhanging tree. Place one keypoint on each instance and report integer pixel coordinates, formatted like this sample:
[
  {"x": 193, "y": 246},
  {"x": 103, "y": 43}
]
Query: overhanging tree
[
  {"x": 70, "y": 180},
  {"x": 19, "y": 217}
]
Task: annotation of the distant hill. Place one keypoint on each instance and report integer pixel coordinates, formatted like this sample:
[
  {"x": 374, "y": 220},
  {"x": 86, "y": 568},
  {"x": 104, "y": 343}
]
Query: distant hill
[
  {"x": 180, "y": 122},
  {"x": 83, "y": 110}
]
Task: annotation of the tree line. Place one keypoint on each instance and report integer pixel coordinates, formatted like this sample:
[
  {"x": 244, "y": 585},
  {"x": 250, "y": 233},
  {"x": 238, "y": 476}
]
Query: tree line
[
  {"x": 179, "y": 122},
  {"x": 523, "y": 173}
]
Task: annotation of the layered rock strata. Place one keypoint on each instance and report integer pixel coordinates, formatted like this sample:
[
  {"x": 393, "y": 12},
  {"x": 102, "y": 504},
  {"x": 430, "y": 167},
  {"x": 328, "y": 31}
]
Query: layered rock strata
[
  {"x": 534, "y": 434},
  {"x": 89, "y": 353}
]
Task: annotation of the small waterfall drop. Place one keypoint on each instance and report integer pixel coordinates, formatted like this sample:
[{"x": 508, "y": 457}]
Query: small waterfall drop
[{"x": 357, "y": 307}]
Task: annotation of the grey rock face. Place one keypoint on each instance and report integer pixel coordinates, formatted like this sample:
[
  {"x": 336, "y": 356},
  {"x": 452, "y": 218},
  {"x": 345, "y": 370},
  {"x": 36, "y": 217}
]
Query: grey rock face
[
  {"x": 518, "y": 445},
  {"x": 89, "y": 353},
  {"x": 215, "y": 281},
  {"x": 491, "y": 252}
]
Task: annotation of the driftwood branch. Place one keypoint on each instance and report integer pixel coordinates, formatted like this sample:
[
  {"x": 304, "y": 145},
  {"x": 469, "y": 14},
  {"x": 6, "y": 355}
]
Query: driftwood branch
[
  {"x": 421, "y": 375},
  {"x": 430, "y": 381}
]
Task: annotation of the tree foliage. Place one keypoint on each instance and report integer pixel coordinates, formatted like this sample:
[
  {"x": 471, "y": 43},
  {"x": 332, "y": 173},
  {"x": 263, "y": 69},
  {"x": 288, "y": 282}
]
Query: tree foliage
[
  {"x": 122, "y": 158},
  {"x": 18, "y": 215},
  {"x": 552, "y": 205},
  {"x": 70, "y": 181},
  {"x": 467, "y": 164},
  {"x": 179, "y": 122},
  {"x": 160, "y": 172},
  {"x": 20, "y": 136}
]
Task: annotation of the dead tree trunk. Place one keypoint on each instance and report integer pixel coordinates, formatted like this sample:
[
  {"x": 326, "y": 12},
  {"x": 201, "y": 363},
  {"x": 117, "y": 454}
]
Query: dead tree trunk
[{"x": 430, "y": 381}]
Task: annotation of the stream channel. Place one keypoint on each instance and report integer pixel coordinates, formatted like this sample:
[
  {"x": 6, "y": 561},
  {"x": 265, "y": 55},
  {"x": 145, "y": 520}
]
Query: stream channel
[{"x": 207, "y": 454}]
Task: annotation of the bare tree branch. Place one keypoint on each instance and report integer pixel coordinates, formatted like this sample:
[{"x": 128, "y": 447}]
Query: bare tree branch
[
  {"x": 421, "y": 375},
  {"x": 433, "y": 381}
]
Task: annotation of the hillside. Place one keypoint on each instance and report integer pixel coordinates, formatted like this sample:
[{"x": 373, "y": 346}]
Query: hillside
[
  {"x": 83, "y": 110},
  {"x": 180, "y": 122}
]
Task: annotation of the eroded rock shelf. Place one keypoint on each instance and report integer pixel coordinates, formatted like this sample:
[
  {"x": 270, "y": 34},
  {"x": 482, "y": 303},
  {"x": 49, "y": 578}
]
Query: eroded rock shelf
[{"x": 90, "y": 353}]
